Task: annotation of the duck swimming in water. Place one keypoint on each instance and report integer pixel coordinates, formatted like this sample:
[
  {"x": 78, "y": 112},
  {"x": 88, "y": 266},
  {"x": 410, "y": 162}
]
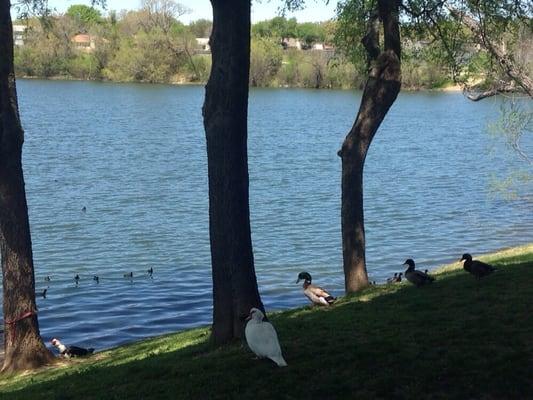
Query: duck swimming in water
[
  {"x": 477, "y": 268},
  {"x": 262, "y": 338},
  {"x": 417, "y": 278},
  {"x": 316, "y": 294}
]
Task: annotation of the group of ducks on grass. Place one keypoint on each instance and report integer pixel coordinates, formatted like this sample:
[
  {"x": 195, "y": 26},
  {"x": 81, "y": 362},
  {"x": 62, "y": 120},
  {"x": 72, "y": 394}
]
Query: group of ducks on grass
[
  {"x": 261, "y": 336},
  {"x": 263, "y": 339}
]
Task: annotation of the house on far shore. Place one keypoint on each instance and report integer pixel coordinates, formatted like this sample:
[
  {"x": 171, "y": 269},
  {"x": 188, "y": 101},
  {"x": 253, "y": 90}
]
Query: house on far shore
[
  {"x": 18, "y": 34},
  {"x": 291, "y": 43},
  {"x": 203, "y": 44},
  {"x": 84, "y": 42}
]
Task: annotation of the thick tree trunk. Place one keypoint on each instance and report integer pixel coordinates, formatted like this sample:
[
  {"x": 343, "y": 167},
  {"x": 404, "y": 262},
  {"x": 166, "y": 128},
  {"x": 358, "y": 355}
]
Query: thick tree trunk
[
  {"x": 225, "y": 120},
  {"x": 380, "y": 92},
  {"x": 23, "y": 346}
]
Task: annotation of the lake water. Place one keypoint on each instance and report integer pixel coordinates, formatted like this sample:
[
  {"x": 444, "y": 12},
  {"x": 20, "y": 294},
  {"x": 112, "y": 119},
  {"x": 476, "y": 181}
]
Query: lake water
[{"x": 134, "y": 156}]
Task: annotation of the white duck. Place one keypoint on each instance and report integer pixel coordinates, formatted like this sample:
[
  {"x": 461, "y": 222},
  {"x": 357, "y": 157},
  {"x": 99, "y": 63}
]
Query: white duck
[{"x": 262, "y": 338}]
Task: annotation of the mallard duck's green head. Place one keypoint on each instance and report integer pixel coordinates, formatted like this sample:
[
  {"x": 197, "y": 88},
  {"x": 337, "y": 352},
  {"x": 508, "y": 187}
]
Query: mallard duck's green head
[
  {"x": 466, "y": 257},
  {"x": 306, "y": 276}
]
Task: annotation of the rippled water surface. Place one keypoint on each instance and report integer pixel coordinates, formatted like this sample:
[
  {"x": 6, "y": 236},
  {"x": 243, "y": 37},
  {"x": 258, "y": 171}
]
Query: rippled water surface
[{"x": 134, "y": 156}]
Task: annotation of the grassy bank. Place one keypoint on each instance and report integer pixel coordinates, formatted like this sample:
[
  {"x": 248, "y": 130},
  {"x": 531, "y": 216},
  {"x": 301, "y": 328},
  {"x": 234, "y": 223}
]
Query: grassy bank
[{"x": 455, "y": 339}]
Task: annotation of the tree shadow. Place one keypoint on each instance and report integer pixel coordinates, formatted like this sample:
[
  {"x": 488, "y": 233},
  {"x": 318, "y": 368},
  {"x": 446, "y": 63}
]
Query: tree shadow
[{"x": 456, "y": 338}]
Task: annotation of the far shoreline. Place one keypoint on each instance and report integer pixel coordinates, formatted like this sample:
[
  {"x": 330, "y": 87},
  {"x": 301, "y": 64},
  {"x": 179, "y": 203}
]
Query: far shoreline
[{"x": 450, "y": 88}]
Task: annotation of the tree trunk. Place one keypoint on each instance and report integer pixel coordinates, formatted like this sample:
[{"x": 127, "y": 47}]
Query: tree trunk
[
  {"x": 24, "y": 348},
  {"x": 225, "y": 114},
  {"x": 380, "y": 92}
]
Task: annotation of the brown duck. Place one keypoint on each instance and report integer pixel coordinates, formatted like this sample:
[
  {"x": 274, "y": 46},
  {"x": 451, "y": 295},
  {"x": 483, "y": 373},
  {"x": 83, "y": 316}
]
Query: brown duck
[
  {"x": 417, "y": 278},
  {"x": 477, "y": 268}
]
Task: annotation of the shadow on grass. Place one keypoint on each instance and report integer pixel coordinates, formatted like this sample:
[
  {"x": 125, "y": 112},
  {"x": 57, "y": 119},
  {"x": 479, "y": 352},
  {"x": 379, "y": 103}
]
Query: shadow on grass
[{"x": 455, "y": 339}]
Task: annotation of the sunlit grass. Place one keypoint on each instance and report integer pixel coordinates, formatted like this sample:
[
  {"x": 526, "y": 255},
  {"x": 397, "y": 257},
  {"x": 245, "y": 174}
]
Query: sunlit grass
[{"x": 454, "y": 339}]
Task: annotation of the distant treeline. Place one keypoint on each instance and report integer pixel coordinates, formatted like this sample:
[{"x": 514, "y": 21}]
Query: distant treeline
[{"x": 151, "y": 45}]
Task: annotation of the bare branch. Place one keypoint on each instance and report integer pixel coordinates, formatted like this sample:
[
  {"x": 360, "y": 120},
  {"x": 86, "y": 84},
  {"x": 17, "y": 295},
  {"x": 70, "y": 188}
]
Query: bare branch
[{"x": 506, "y": 63}]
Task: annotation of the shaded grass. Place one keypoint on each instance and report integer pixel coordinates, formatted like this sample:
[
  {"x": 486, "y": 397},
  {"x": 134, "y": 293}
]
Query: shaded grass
[{"x": 455, "y": 339}]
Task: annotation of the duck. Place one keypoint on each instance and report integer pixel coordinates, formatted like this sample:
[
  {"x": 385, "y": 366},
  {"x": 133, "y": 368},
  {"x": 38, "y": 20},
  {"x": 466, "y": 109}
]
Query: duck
[
  {"x": 47, "y": 278},
  {"x": 477, "y": 268},
  {"x": 417, "y": 278},
  {"x": 128, "y": 275},
  {"x": 316, "y": 294},
  {"x": 71, "y": 351},
  {"x": 77, "y": 279},
  {"x": 393, "y": 278},
  {"x": 96, "y": 279},
  {"x": 262, "y": 338},
  {"x": 150, "y": 271},
  {"x": 399, "y": 278}
]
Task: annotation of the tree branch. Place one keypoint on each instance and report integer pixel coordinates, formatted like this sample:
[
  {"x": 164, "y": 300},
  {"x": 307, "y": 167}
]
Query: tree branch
[
  {"x": 507, "y": 64},
  {"x": 371, "y": 40}
]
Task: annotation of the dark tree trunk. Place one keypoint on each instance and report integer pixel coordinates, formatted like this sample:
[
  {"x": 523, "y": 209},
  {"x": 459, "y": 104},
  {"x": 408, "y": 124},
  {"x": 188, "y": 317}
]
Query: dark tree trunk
[
  {"x": 24, "y": 348},
  {"x": 380, "y": 92},
  {"x": 225, "y": 120}
]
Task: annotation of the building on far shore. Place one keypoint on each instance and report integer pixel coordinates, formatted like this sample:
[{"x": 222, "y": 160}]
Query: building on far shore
[
  {"x": 203, "y": 44},
  {"x": 18, "y": 34},
  {"x": 84, "y": 42}
]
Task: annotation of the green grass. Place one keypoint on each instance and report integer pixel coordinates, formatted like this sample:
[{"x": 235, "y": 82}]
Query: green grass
[{"x": 454, "y": 339}]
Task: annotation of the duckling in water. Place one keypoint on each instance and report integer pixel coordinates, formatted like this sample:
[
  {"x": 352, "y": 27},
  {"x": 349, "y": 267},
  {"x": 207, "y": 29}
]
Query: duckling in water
[
  {"x": 128, "y": 275},
  {"x": 316, "y": 294},
  {"x": 77, "y": 279},
  {"x": 417, "y": 278},
  {"x": 96, "y": 279},
  {"x": 477, "y": 268}
]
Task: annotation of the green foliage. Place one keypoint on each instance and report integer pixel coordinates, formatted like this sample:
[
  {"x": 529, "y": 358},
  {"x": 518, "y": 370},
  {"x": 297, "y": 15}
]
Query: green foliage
[
  {"x": 201, "y": 28},
  {"x": 144, "y": 58},
  {"x": 84, "y": 66},
  {"x": 455, "y": 339},
  {"x": 276, "y": 28},
  {"x": 86, "y": 16},
  {"x": 310, "y": 33},
  {"x": 265, "y": 61}
]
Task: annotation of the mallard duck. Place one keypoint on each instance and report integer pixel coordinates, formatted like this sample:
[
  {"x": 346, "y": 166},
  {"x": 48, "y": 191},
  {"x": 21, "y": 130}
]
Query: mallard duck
[
  {"x": 262, "y": 338},
  {"x": 477, "y": 268},
  {"x": 316, "y": 294},
  {"x": 417, "y": 278}
]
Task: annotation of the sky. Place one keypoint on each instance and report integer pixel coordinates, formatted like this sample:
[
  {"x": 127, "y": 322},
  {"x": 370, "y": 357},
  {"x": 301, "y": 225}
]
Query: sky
[{"x": 316, "y": 10}]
